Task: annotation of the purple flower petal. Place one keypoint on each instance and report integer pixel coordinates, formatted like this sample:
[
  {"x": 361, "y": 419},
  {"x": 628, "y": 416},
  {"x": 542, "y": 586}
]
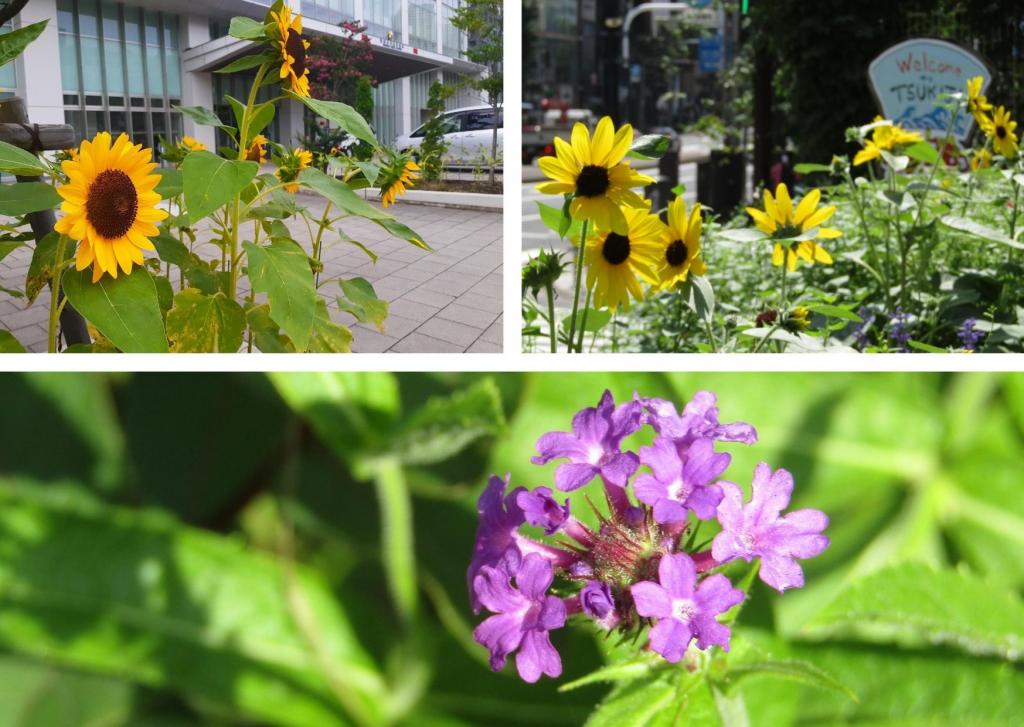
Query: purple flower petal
[
  {"x": 558, "y": 444},
  {"x": 668, "y": 512},
  {"x": 670, "y": 638},
  {"x": 571, "y": 476},
  {"x": 533, "y": 579},
  {"x": 678, "y": 575},
  {"x": 499, "y": 518},
  {"x": 502, "y": 635},
  {"x": 704, "y": 465},
  {"x": 771, "y": 492},
  {"x": 618, "y": 468},
  {"x": 651, "y": 599},
  {"x": 781, "y": 572},
  {"x": 596, "y": 600},
  {"x": 542, "y": 510},
  {"x": 494, "y": 590},
  {"x": 537, "y": 656},
  {"x": 704, "y": 501}
]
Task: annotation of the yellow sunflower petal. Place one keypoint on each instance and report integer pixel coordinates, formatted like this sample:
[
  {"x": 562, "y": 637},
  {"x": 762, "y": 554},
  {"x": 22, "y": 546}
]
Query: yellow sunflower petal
[{"x": 807, "y": 205}]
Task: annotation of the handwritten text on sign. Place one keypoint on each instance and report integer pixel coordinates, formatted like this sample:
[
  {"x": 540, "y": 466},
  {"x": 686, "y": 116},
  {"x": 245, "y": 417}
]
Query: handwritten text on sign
[{"x": 909, "y": 78}]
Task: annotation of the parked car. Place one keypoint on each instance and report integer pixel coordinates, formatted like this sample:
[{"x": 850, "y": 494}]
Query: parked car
[
  {"x": 539, "y": 133},
  {"x": 468, "y": 133}
]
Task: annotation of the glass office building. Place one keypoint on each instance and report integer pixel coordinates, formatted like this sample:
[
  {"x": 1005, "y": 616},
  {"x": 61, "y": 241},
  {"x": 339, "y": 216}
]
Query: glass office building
[{"x": 123, "y": 67}]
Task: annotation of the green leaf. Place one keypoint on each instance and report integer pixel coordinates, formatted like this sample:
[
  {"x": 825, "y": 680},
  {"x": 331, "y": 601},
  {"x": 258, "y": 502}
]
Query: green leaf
[
  {"x": 898, "y": 162},
  {"x": 172, "y": 250},
  {"x": 403, "y": 232},
  {"x": 649, "y": 146},
  {"x": 812, "y": 168},
  {"x": 262, "y": 115},
  {"x": 170, "y": 182},
  {"x": 268, "y": 337},
  {"x": 210, "y": 182},
  {"x": 445, "y": 426},
  {"x": 976, "y": 229},
  {"x": 9, "y": 344},
  {"x": 247, "y": 29},
  {"x": 343, "y": 115},
  {"x": 914, "y": 604},
  {"x": 796, "y": 670},
  {"x": 245, "y": 62},
  {"x": 359, "y": 298},
  {"x": 369, "y": 253},
  {"x": 556, "y": 221},
  {"x": 327, "y": 336},
  {"x": 137, "y": 595},
  {"x": 18, "y": 161},
  {"x": 667, "y": 699},
  {"x": 834, "y": 311},
  {"x": 353, "y": 413},
  {"x": 926, "y": 347},
  {"x": 203, "y": 116},
  {"x": 625, "y": 671},
  {"x": 340, "y": 194},
  {"x": 13, "y": 43},
  {"x": 700, "y": 296},
  {"x": 281, "y": 271},
  {"x": 596, "y": 320},
  {"x": 205, "y": 323},
  {"x": 22, "y": 198},
  {"x": 125, "y": 309},
  {"x": 922, "y": 151},
  {"x": 397, "y": 542}
]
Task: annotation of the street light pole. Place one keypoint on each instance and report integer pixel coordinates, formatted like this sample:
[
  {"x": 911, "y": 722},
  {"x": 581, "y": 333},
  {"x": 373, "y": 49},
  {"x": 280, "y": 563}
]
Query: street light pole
[{"x": 628, "y": 22}]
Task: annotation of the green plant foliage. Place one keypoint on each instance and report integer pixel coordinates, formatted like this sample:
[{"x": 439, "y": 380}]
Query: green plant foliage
[
  {"x": 281, "y": 271},
  {"x": 125, "y": 309},
  {"x": 25, "y": 197},
  {"x": 12, "y": 44},
  {"x": 199, "y": 323},
  {"x": 209, "y": 181}
]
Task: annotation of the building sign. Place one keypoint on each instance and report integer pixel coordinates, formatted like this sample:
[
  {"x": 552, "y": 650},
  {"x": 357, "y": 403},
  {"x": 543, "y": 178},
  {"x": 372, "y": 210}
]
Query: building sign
[
  {"x": 909, "y": 78},
  {"x": 390, "y": 42},
  {"x": 709, "y": 55}
]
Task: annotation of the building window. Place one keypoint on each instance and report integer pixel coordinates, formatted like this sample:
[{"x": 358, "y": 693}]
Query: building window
[
  {"x": 382, "y": 17},
  {"x": 387, "y": 107},
  {"x": 332, "y": 12},
  {"x": 452, "y": 38},
  {"x": 237, "y": 85},
  {"x": 121, "y": 70},
  {"x": 423, "y": 24},
  {"x": 8, "y": 76}
]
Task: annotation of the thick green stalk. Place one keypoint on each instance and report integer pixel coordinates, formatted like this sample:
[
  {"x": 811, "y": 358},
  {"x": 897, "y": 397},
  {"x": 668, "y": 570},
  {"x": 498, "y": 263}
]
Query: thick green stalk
[
  {"x": 579, "y": 283},
  {"x": 583, "y": 323},
  {"x": 397, "y": 546},
  {"x": 236, "y": 209},
  {"x": 58, "y": 266},
  {"x": 552, "y": 326}
]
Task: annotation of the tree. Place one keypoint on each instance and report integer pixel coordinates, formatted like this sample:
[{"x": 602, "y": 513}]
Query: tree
[
  {"x": 336, "y": 65},
  {"x": 433, "y": 146},
  {"x": 482, "y": 22}
]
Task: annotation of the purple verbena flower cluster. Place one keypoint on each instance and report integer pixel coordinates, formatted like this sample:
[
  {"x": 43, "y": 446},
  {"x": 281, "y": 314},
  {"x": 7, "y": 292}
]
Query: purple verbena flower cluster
[
  {"x": 969, "y": 335},
  {"x": 899, "y": 332},
  {"x": 638, "y": 567}
]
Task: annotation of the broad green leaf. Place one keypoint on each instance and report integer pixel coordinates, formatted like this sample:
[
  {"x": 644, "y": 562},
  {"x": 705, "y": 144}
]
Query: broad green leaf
[
  {"x": 210, "y": 182},
  {"x": 667, "y": 699},
  {"x": 125, "y": 309},
  {"x": 596, "y": 320},
  {"x": 9, "y": 344},
  {"x": 262, "y": 115},
  {"x": 812, "y": 168},
  {"x": 834, "y": 311},
  {"x": 9, "y": 246},
  {"x": 281, "y": 271},
  {"x": 923, "y": 151},
  {"x": 369, "y": 253},
  {"x": 554, "y": 219},
  {"x": 339, "y": 193},
  {"x": 205, "y": 324},
  {"x": 203, "y": 116},
  {"x": 976, "y": 229},
  {"x": 245, "y": 28},
  {"x": 625, "y": 671},
  {"x": 137, "y": 595},
  {"x": 172, "y": 250},
  {"x": 343, "y": 115},
  {"x": 649, "y": 146},
  {"x": 352, "y": 413},
  {"x": 795, "y": 670},
  {"x": 21, "y": 198},
  {"x": 443, "y": 427},
  {"x": 926, "y": 347},
  {"x": 402, "y": 232},
  {"x": 359, "y": 298},
  {"x": 397, "y": 541},
  {"x": 917, "y": 605},
  {"x": 245, "y": 62},
  {"x": 18, "y": 161},
  {"x": 170, "y": 182},
  {"x": 328, "y": 336},
  {"x": 700, "y": 296},
  {"x": 13, "y": 43}
]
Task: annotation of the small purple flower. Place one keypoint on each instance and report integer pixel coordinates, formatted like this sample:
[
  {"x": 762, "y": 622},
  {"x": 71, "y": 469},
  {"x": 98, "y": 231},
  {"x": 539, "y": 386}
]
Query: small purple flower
[
  {"x": 684, "y": 611},
  {"x": 860, "y": 335},
  {"x": 593, "y": 446},
  {"x": 970, "y": 337},
  {"x": 756, "y": 529},
  {"x": 699, "y": 420},
  {"x": 542, "y": 510},
  {"x": 898, "y": 331},
  {"x": 500, "y": 518},
  {"x": 680, "y": 481},
  {"x": 597, "y": 602},
  {"x": 524, "y": 615}
]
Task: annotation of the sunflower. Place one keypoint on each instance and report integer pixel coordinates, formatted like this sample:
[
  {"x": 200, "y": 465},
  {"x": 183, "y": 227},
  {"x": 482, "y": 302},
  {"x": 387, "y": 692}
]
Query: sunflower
[
  {"x": 397, "y": 179},
  {"x": 981, "y": 159},
  {"x": 781, "y": 222},
  {"x": 290, "y": 166},
  {"x": 191, "y": 144},
  {"x": 999, "y": 129},
  {"x": 293, "y": 50},
  {"x": 109, "y": 204},
  {"x": 617, "y": 263},
  {"x": 257, "y": 151},
  {"x": 798, "y": 319},
  {"x": 681, "y": 245},
  {"x": 884, "y": 138},
  {"x": 977, "y": 104},
  {"x": 593, "y": 171}
]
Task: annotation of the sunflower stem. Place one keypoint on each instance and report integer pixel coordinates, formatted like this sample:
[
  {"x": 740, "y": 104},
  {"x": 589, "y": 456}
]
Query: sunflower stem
[
  {"x": 51, "y": 345},
  {"x": 317, "y": 249},
  {"x": 579, "y": 283},
  {"x": 550, "y": 289},
  {"x": 583, "y": 323}
]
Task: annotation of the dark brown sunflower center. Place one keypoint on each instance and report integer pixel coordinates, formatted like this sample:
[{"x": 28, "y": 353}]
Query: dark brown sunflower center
[
  {"x": 592, "y": 181},
  {"x": 1001, "y": 132},
  {"x": 111, "y": 203},
  {"x": 253, "y": 155},
  {"x": 615, "y": 249},
  {"x": 676, "y": 253},
  {"x": 297, "y": 50}
]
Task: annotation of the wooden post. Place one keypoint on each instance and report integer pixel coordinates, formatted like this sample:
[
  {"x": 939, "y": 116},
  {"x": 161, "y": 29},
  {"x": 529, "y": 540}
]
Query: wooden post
[{"x": 15, "y": 130}]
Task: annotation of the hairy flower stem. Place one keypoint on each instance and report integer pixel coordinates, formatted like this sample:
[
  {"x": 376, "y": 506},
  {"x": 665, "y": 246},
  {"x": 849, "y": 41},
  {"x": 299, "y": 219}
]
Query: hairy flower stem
[
  {"x": 1013, "y": 216},
  {"x": 858, "y": 202},
  {"x": 935, "y": 167},
  {"x": 583, "y": 322},
  {"x": 324, "y": 223},
  {"x": 579, "y": 283},
  {"x": 549, "y": 288},
  {"x": 58, "y": 264}
]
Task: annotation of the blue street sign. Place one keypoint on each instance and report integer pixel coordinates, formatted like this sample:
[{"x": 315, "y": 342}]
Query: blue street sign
[{"x": 709, "y": 56}]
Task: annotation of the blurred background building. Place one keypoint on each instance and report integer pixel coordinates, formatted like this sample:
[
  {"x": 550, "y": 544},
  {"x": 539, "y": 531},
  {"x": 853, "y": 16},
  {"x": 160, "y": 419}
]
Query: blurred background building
[{"x": 102, "y": 65}]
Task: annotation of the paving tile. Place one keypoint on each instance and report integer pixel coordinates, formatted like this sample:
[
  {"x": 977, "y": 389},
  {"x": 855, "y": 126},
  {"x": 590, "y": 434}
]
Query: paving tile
[
  {"x": 366, "y": 341},
  {"x": 482, "y": 346},
  {"x": 476, "y": 317},
  {"x": 419, "y": 343},
  {"x": 450, "y": 331},
  {"x": 429, "y": 297}
]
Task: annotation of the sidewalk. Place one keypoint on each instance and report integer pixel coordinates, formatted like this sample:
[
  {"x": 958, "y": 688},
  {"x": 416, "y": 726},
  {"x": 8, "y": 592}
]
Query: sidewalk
[{"x": 445, "y": 301}]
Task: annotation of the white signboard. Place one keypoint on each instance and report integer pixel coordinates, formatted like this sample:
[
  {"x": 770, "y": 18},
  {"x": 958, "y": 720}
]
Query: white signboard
[{"x": 909, "y": 78}]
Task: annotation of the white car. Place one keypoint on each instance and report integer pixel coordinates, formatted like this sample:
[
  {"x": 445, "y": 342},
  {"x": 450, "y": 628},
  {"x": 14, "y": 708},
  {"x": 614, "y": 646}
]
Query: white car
[{"x": 468, "y": 132}]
